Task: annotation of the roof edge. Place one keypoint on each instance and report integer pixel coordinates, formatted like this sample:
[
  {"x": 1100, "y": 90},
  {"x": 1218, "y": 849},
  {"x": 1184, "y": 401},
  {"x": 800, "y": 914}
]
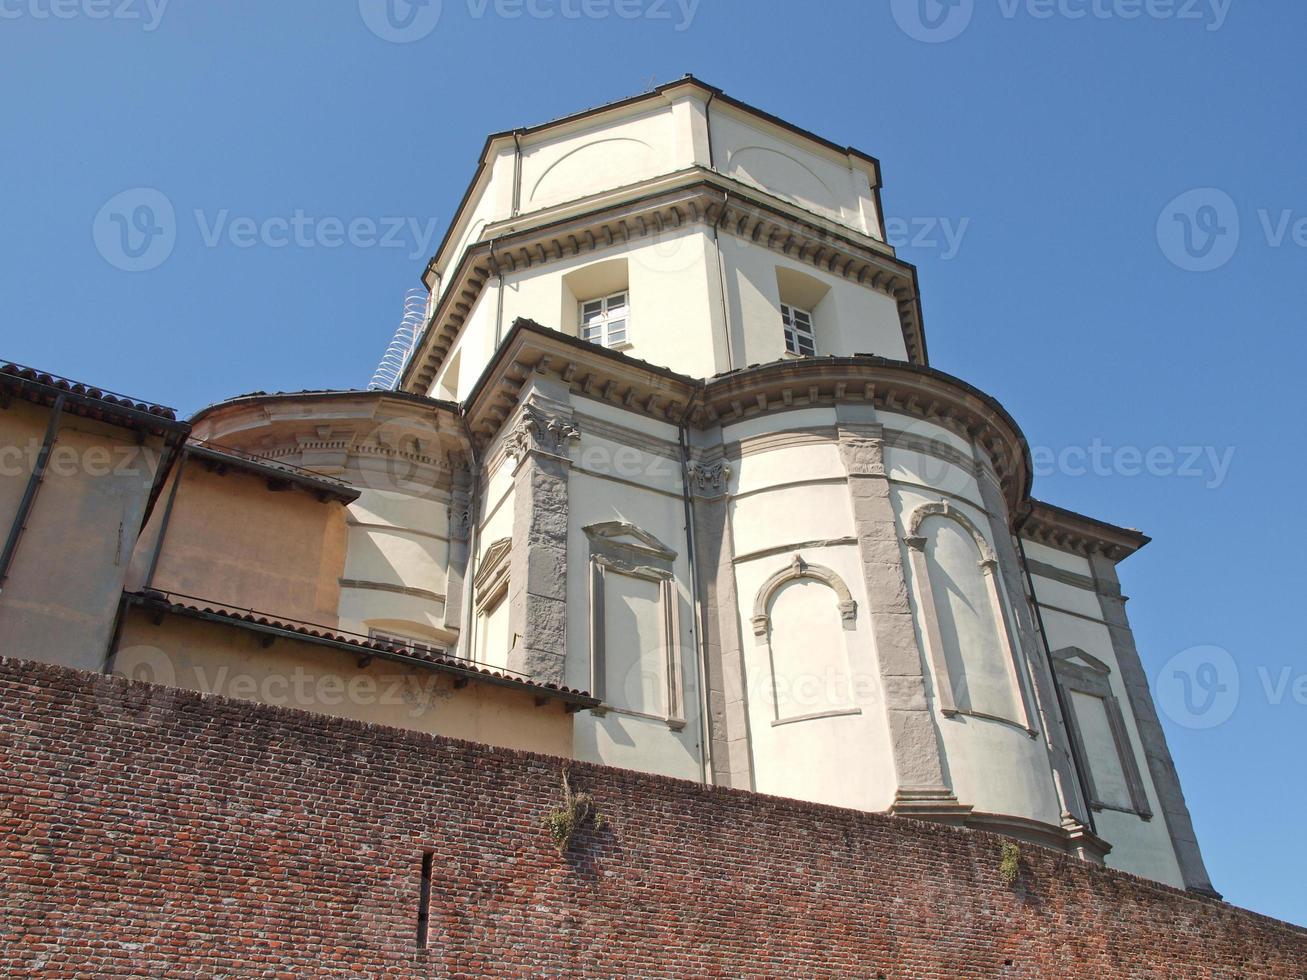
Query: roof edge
[
  {"x": 219, "y": 614},
  {"x": 1064, "y": 528},
  {"x": 686, "y": 81}
]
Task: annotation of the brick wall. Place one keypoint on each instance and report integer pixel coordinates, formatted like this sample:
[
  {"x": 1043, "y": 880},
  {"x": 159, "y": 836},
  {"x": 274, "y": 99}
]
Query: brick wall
[{"x": 150, "y": 832}]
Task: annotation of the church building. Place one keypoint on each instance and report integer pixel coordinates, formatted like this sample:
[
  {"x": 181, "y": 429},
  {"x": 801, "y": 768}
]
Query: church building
[{"x": 664, "y": 481}]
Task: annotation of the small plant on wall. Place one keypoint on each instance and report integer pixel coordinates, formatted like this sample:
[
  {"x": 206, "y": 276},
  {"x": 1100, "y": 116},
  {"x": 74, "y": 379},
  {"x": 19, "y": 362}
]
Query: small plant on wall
[
  {"x": 1009, "y": 866},
  {"x": 577, "y": 810}
]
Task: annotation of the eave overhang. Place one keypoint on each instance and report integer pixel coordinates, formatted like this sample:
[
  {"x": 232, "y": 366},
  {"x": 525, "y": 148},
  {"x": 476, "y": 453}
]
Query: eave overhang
[
  {"x": 279, "y": 475},
  {"x": 1067, "y": 530},
  {"x": 159, "y": 604},
  {"x": 890, "y": 386},
  {"x": 87, "y": 401},
  {"x": 658, "y": 207},
  {"x": 591, "y": 371}
]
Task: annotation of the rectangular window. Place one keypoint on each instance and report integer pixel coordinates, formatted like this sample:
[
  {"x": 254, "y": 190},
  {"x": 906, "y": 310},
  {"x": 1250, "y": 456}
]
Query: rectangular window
[
  {"x": 799, "y": 337},
  {"x": 605, "y": 321}
]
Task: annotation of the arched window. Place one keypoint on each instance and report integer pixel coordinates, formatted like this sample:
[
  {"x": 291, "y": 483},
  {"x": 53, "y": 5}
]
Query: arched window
[
  {"x": 800, "y": 616},
  {"x": 968, "y": 637}
]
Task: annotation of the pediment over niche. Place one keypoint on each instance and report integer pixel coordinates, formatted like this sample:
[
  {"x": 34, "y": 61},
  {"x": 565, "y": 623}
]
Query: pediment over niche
[
  {"x": 1076, "y": 657},
  {"x": 492, "y": 570},
  {"x": 628, "y": 536}
]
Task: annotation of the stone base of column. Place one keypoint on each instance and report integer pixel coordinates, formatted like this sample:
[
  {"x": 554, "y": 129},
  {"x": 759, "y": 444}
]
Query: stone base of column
[{"x": 937, "y": 805}]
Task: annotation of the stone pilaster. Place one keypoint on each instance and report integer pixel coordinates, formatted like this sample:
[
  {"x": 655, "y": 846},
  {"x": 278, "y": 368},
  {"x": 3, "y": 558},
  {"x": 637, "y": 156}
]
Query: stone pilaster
[
  {"x": 460, "y": 533},
  {"x": 1161, "y": 767},
  {"x": 922, "y": 787},
  {"x": 728, "y": 706},
  {"x": 539, "y": 442}
]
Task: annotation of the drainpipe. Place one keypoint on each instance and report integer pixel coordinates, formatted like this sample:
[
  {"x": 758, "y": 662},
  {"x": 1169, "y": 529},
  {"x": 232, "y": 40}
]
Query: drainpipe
[
  {"x": 701, "y": 648},
  {"x": 707, "y": 121},
  {"x": 716, "y": 236},
  {"x": 29, "y": 494},
  {"x": 177, "y": 456},
  {"x": 517, "y": 172},
  {"x": 164, "y": 522},
  {"x": 721, "y": 279},
  {"x": 499, "y": 295},
  {"x": 469, "y": 621},
  {"x": 1076, "y": 764}
]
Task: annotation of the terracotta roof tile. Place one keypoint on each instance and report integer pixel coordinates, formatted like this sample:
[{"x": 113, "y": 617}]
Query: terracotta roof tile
[{"x": 169, "y": 602}]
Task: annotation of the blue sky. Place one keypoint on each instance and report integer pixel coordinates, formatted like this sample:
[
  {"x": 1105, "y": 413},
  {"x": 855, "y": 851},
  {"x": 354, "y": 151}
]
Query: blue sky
[{"x": 1038, "y": 157}]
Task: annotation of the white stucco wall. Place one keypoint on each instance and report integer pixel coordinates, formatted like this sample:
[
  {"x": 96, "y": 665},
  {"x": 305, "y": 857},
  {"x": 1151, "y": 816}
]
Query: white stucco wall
[
  {"x": 642, "y": 489},
  {"x": 1072, "y": 617},
  {"x": 808, "y": 175},
  {"x": 400, "y": 540},
  {"x": 782, "y": 499},
  {"x": 607, "y": 153},
  {"x": 852, "y": 319},
  {"x": 995, "y": 765}
]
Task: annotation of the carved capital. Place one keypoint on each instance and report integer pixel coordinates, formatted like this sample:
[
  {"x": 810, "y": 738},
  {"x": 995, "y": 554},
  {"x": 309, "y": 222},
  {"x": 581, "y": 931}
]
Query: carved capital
[
  {"x": 538, "y": 431},
  {"x": 709, "y": 479},
  {"x": 849, "y": 612},
  {"x": 862, "y": 456},
  {"x": 460, "y": 522}
]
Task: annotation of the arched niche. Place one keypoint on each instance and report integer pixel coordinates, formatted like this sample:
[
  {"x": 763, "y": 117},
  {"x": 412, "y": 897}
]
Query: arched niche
[
  {"x": 801, "y": 616},
  {"x": 968, "y": 634}
]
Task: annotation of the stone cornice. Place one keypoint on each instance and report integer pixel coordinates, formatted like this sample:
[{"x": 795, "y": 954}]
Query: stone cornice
[
  {"x": 1068, "y": 531},
  {"x": 607, "y": 376},
  {"x": 324, "y": 430},
  {"x": 695, "y": 196},
  {"x": 894, "y": 386},
  {"x": 586, "y": 369}
]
